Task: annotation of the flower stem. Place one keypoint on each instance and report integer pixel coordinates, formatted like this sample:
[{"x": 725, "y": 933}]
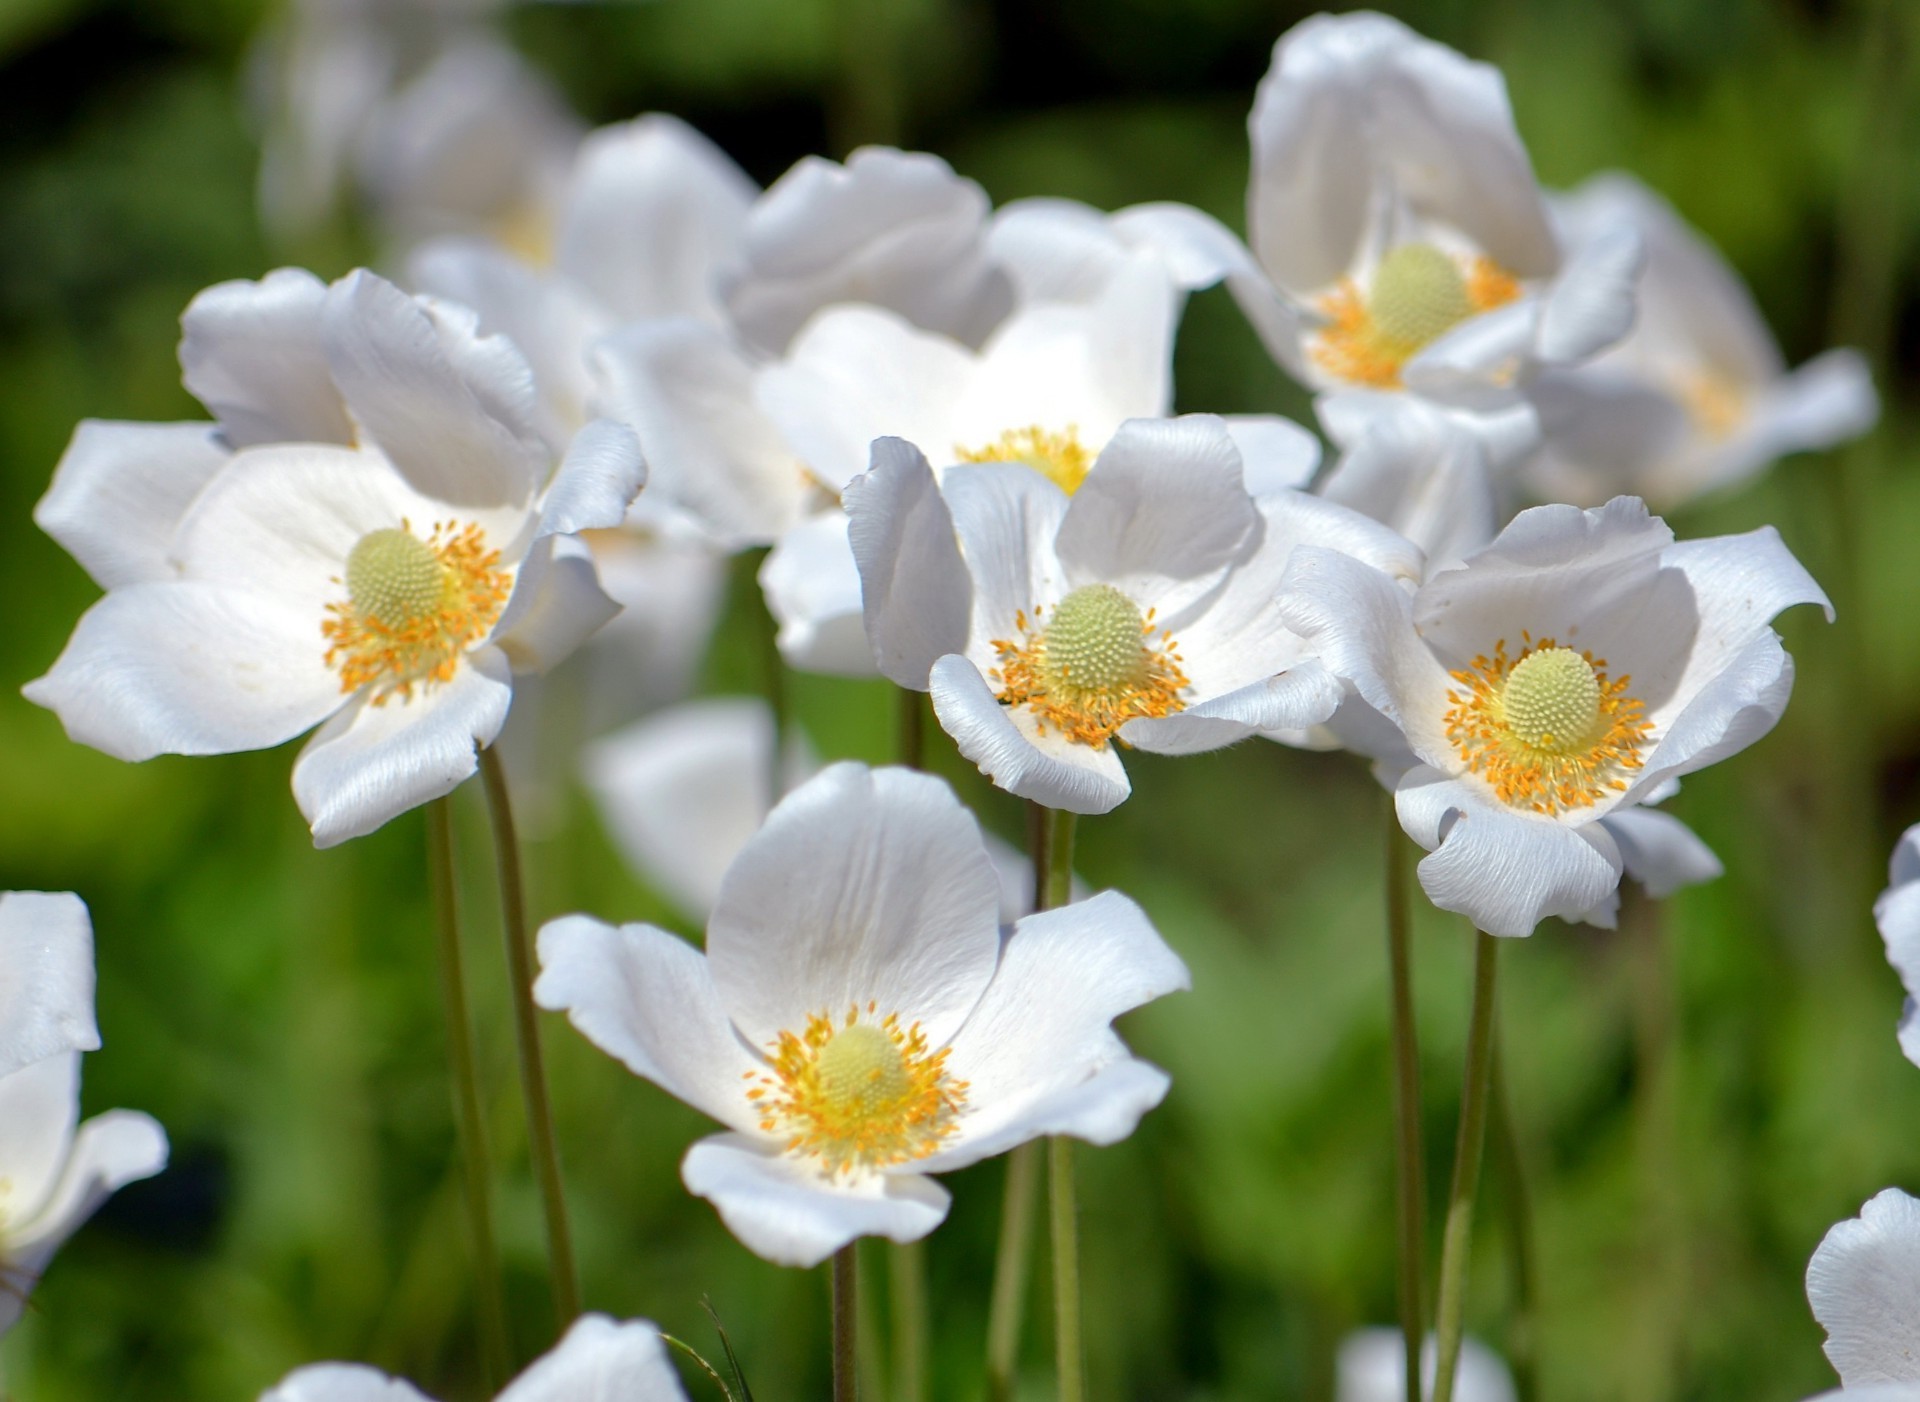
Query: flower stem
[
  {"x": 541, "y": 1144},
  {"x": 911, "y": 736},
  {"x": 1410, "y": 1169},
  {"x": 846, "y": 1306},
  {"x": 1069, "y": 1355},
  {"x": 1457, "y": 1241},
  {"x": 1655, "y": 1110},
  {"x": 469, "y": 1123},
  {"x": 908, "y": 1279},
  {"x": 1517, "y": 1203}
]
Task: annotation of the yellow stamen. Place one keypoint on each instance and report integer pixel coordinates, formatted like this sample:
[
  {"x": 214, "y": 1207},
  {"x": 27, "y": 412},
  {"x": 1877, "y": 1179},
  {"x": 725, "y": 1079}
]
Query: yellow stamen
[
  {"x": 1060, "y": 457},
  {"x": 1546, "y": 729},
  {"x": 413, "y": 608},
  {"x": 1418, "y": 294},
  {"x": 1714, "y": 402},
  {"x": 1090, "y": 668},
  {"x": 859, "y": 1095}
]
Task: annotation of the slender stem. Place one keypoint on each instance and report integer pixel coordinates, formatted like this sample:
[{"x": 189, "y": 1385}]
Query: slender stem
[
  {"x": 469, "y": 1124},
  {"x": 1658, "y": 1349},
  {"x": 1410, "y": 1169},
  {"x": 541, "y": 1143},
  {"x": 1059, "y": 887},
  {"x": 1457, "y": 1241},
  {"x": 1069, "y": 1356},
  {"x": 1510, "y": 1171},
  {"x": 846, "y": 1306},
  {"x": 908, "y": 1279},
  {"x": 1008, "y": 1304},
  {"x": 911, "y": 736}
]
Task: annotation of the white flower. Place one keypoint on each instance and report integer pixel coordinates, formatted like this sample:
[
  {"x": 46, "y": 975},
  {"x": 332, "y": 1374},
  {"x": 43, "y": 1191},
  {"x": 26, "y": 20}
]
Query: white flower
[
  {"x": 1897, "y": 913},
  {"x": 1698, "y": 396},
  {"x": 1372, "y": 1367},
  {"x": 1864, "y": 1285},
  {"x": 860, "y": 1019},
  {"x": 387, "y": 544},
  {"x": 1570, "y": 671},
  {"x": 682, "y": 792},
  {"x": 54, "y": 1172},
  {"x": 46, "y": 978},
  {"x": 1140, "y": 609},
  {"x": 599, "y": 1360}
]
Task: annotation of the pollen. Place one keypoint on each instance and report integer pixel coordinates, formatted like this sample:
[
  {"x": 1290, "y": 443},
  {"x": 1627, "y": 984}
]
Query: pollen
[
  {"x": 414, "y": 606},
  {"x": 1418, "y": 293},
  {"x": 1096, "y": 663},
  {"x": 1714, "y": 402},
  {"x": 1059, "y": 457},
  {"x": 857, "y": 1095},
  {"x": 1546, "y": 729}
]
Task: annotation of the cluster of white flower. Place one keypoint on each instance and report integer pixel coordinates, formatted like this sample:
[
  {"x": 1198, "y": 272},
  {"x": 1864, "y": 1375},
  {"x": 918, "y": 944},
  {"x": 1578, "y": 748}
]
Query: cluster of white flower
[{"x": 949, "y": 425}]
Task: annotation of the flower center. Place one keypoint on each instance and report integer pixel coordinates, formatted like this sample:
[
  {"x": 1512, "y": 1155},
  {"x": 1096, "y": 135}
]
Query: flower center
[
  {"x": 1546, "y": 729},
  {"x": 413, "y": 607},
  {"x": 1418, "y": 294},
  {"x": 859, "y": 1095},
  {"x": 1092, "y": 667},
  {"x": 1059, "y": 457},
  {"x": 1714, "y": 402}
]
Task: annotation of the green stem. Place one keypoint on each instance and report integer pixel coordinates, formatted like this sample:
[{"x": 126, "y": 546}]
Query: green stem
[
  {"x": 911, "y": 735},
  {"x": 541, "y": 1143},
  {"x": 1510, "y": 1171},
  {"x": 908, "y": 1279},
  {"x": 1457, "y": 1241},
  {"x": 1069, "y": 1356},
  {"x": 1655, "y": 1108},
  {"x": 1410, "y": 1170},
  {"x": 469, "y": 1124},
  {"x": 846, "y": 1295}
]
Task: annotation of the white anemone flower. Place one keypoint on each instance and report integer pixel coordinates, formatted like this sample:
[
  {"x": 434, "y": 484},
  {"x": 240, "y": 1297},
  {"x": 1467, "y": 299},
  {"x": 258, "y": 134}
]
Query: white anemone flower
[
  {"x": 1550, "y": 686},
  {"x": 1897, "y": 913},
  {"x": 54, "y": 1171},
  {"x": 1698, "y": 397},
  {"x": 1371, "y": 1366},
  {"x": 1864, "y": 1285},
  {"x": 387, "y": 543},
  {"x": 861, "y": 1019},
  {"x": 1138, "y": 611},
  {"x": 599, "y": 1360}
]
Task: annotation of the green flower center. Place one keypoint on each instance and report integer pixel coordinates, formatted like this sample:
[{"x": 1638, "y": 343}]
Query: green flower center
[
  {"x": 395, "y": 577},
  {"x": 861, "y": 1070},
  {"x": 1095, "y": 642},
  {"x": 1417, "y": 294},
  {"x": 1552, "y": 701}
]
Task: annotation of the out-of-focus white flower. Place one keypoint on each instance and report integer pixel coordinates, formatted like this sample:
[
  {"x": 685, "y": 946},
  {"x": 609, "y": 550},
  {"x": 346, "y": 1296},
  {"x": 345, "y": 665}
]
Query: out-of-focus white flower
[
  {"x": 54, "y": 1172},
  {"x": 1698, "y": 396},
  {"x": 415, "y": 106},
  {"x": 1372, "y": 1367},
  {"x": 1398, "y": 238},
  {"x": 387, "y": 541},
  {"x": 599, "y": 1360},
  {"x": 1864, "y": 1285},
  {"x": 1559, "y": 679},
  {"x": 1897, "y": 913},
  {"x": 860, "y": 1019},
  {"x": 1140, "y": 609},
  {"x": 682, "y": 791}
]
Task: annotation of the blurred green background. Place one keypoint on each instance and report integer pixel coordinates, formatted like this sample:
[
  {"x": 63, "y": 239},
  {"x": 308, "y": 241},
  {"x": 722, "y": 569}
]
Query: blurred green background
[{"x": 1698, "y": 1097}]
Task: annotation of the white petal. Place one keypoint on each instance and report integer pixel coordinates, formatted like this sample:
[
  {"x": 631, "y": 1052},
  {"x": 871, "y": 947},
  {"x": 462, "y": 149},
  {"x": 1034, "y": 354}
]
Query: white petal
[
  {"x": 372, "y": 763},
  {"x": 39, "y": 1107},
  {"x": 1872, "y": 1392},
  {"x": 683, "y": 790},
  {"x": 252, "y": 353},
  {"x": 1275, "y": 453},
  {"x": 454, "y": 412},
  {"x": 1165, "y": 506},
  {"x": 1199, "y": 249},
  {"x": 1417, "y": 471},
  {"x": 187, "y": 668},
  {"x": 860, "y": 373},
  {"x": 897, "y": 229},
  {"x": 647, "y": 998},
  {"x": 1864, "y": 1285},
  {"x": 654, "y": 210},
  {"x": 670, "y": 592},
  {"x": 1304, "y": 695},
  {"x": 1591, "y": 304},
  {"x": 1504, "y": 871},
  {"x": 785, "y": 1210},
  {"x": 120, "y": 490},
  {"x": 601, "y": 1361},
  {"x": 1056, "y": 250},
  {"x": 916, "y": 594},
  {"x": 596, "y": 481},
  {"x": 1010, "y": 748},
  {"x": 1661, "y": 852},
  {"x": 1477, "y": 366},
  {"x": 1044, "y": 1031},
  {"x": 1897, "y": 913},
  {"x": 46, "y": 977},
  {"x": 1825, "y": 402},
  {"x": 1372, "y": 1367},
  {"x": 341, "y": 1382},
  {"x": 1007, "y": 517},
  {"x": 812, "y": 587},
  {"x": 557, "y": 605},
  {"x": 863, "y": 886}
]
